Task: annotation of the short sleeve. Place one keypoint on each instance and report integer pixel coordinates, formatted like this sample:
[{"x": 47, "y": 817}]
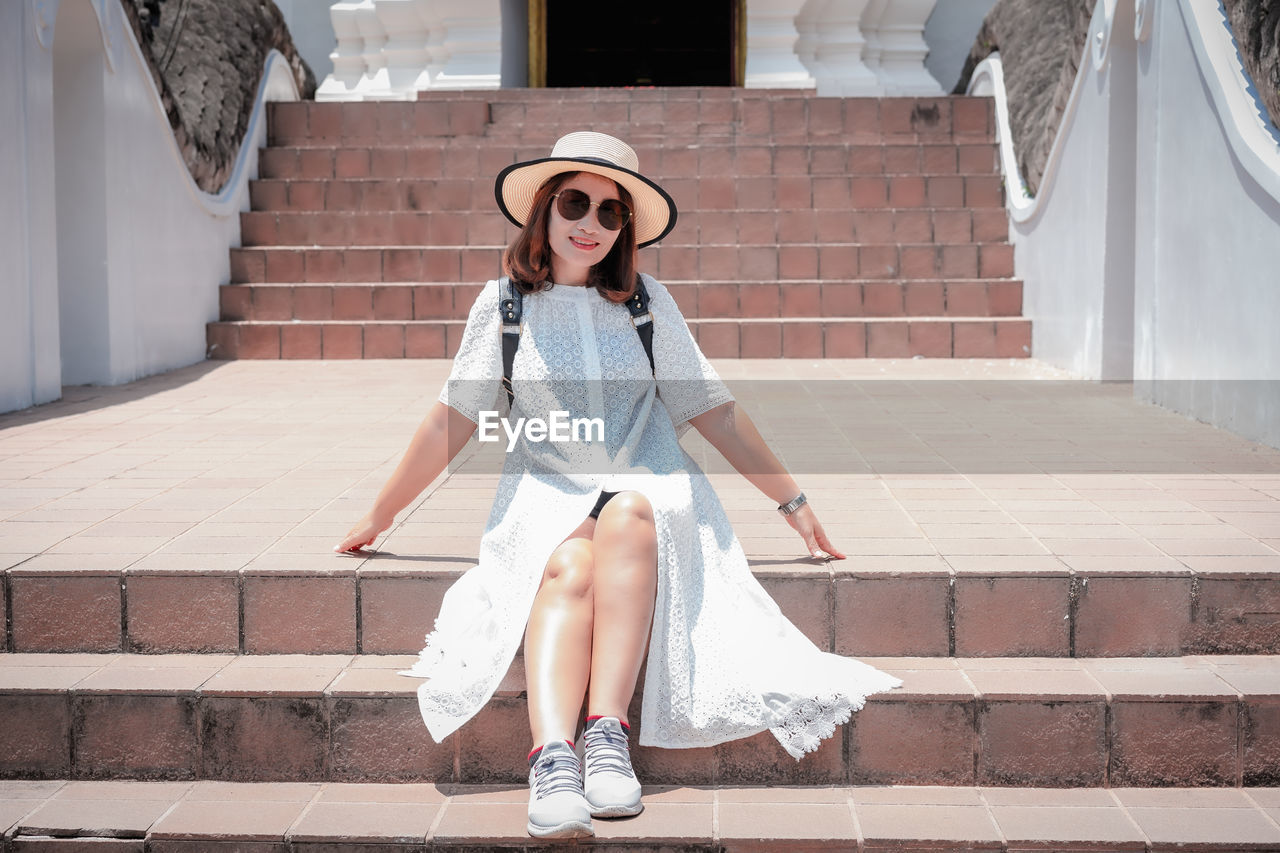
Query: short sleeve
[
  {"x": 687, "y": 383},
  {"x": 475, "y": 381}
]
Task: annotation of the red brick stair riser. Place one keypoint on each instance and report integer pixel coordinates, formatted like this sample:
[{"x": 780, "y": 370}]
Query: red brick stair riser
[
  {"x": 776, "y": 114},
  {"x": 443, "y": 158},
  {"x": 993, "y": 722},
  {"x": 767, "y": 228},
  {"x": 374, "y": 611},
  {"x": 739, "y": 194},
  {"x": 317, "y": 302},
  {"x": 716, "y": 263}
]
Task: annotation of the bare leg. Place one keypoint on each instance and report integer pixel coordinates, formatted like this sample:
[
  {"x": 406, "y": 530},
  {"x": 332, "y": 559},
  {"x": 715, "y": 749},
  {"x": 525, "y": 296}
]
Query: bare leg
[
  {"x": 626, "y": 582},
  {"x": 557, "y": 641}
]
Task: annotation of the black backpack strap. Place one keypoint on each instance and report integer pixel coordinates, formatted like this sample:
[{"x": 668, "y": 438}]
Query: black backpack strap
[
  {"x": 510, "y": 309},
  {"x": 642, "y": 318}
]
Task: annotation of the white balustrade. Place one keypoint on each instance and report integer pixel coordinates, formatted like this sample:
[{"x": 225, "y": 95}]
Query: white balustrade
[
  {"x": 772, "y": 37},
  {"x": 389, "y": 49},
  {"x": 902, "y": 48},
  {"x": 405, "y": 50},
  {"x": 832, "y": 45},
  {"x": 347, "y": 57}
]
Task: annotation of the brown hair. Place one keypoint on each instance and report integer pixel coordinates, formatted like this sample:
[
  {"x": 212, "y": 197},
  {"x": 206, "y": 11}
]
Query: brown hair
[{"x": 528, "y": 259}]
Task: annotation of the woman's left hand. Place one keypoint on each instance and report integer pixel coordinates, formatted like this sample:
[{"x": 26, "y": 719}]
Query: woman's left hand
[{"x": 805, "y": 522}]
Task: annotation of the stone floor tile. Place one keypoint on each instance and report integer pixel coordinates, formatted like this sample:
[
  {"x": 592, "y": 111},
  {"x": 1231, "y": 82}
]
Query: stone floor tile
[
  {"x": 1234, "y": 829},
  {"x": 105, "y": 818},
  {"x": 209, "y": 791},
  {"x": 25, "y": 789},
  {"x": 38, "y": 679},
  {"x": 1268, "y": 798},
  {"x": 678, "y": 794},
  {"x": 914, "y": 795},
  {"x": 372, "y": 682},
  {"x": 1183, "y": 798},
  {"x": 893, "y": 824},
  {"x": 1049, "y": 797},
  {"x": 345, "y": 822},
  {"x": 373, "y": 792},
  {"x": 664, "y": 823},
  {"x": 267, "y": 820},
  {"x": 487, "y": 794},
  {"x": 783, "y": 794},
  {"x": 483, "y": 823},
  {"x": 1038, "y": 685},
  {"x": 271, "y": 681},
  {"x": 789, "y": 821},
  {"x": 148, "y": 679},
  {"x": 1068, "y": 826},
  {"x": 119, "y": 790},
  {"x": 1154, "y": 684}
]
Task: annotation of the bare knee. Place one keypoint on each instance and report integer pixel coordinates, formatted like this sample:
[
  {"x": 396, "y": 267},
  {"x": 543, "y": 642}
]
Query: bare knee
[
  {"x": 570, "y": 570},
  {"x": 627, "y": 509}
]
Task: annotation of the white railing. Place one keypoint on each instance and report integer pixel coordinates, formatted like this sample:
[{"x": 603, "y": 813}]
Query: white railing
[
  {"x": 118, "y": 261},
  {"x": 1148, "y": 250},
  {"x": 392, "y": 49}
]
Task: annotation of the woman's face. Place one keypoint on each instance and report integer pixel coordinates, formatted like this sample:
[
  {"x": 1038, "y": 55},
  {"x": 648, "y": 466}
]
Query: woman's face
[{"x": 578, "y": 245}]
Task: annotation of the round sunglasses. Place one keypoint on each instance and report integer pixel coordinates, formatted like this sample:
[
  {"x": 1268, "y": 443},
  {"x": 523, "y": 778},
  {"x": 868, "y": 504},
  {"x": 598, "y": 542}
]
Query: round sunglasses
[{"x": 574, "y": 204}]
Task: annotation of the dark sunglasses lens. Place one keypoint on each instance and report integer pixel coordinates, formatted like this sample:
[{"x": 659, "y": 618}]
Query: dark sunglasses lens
[
  {"x": 613, "y": 214},
  {"x": 574, "y": 204}
]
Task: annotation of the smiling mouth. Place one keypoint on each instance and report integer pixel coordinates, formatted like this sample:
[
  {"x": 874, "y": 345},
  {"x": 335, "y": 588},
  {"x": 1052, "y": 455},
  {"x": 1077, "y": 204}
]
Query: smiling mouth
[{"x": 583, "y": 244}]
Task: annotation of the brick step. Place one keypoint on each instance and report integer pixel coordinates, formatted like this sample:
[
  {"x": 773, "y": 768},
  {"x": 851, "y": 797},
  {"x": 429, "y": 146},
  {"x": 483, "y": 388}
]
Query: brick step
[
  {"x": 948, "y": 226},
  {"x": 697, "y": 299},
  {"x": 792, "y": 261},
  {"x": 488, "y": 156},
  {"x": 708, "y": 192},
  {"x": 676, "y": 119},
  {"x": 791, "y": 337},
  {"x": 1093, "y": 723},
  {"x": 924, "y": 604},
  {"x": 339, "y": 817}
]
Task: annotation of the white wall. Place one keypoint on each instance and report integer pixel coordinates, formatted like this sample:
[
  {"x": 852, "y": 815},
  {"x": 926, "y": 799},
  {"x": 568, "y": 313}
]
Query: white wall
[
  {"x": 29, "y": 368},
  {"x": 1208, "y": 324},
  {"x": 1149, "y": 253},
  {"x": 99, "y": 210}
]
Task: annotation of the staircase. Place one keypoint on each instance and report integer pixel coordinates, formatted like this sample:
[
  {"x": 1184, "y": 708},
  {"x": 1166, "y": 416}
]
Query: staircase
[
  {"x": 1106, "y": 699},
  {"x": 809, "y": 227}
]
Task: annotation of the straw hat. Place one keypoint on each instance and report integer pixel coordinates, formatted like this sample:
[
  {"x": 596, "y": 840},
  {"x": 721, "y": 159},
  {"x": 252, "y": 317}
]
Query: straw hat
[{"x": 653, "y": 211}]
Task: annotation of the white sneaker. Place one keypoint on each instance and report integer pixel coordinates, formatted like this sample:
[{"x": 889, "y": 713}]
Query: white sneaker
[
  {"x": 611, "y": 786},
  {"x": 557, "y": 808}
]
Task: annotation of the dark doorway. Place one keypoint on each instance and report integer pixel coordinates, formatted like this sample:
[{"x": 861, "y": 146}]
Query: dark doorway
[{"x": 655, "y": 43}]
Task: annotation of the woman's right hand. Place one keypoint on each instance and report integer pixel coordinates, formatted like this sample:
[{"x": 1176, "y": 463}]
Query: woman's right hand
[{"x": 363, "y": 534}]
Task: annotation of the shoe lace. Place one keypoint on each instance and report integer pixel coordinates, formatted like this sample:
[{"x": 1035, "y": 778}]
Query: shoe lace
[
  {"x": 607, "y": 751},
  {"x": 557, "y": 772}
]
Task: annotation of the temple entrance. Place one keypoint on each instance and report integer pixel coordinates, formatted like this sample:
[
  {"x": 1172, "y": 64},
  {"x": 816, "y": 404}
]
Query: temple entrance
[{"x": 657, "y": 43}]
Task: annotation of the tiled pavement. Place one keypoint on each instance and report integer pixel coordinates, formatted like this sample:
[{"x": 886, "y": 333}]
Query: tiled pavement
[
  {"x": 991, "y": 510},
  {"x": 186, "y": 816},
  {"x": 1113, "y": 527}
]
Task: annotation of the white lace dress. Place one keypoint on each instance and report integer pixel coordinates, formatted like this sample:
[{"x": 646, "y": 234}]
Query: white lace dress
[{"x": 723, "y": 662}]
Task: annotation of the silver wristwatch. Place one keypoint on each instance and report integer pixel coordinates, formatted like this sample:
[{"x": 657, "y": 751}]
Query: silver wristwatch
[{"x": 793, "y": 504}]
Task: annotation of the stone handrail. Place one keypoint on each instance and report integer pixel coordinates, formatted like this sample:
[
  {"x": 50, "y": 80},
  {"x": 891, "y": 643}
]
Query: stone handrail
[{"x": 1245, "y": 124}]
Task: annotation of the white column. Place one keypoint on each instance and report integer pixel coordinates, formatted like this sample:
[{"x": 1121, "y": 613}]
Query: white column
[
  {"x": 470, "y": 45},
  {"x": 900, "y": 37},
  {"x": 405, "y": 51},
  {"x": 772, "y": 39},
  {"x": 873, "y": 50},
  {"x": 348, "y": 56},
  {"x": 832, "y": 46},
  {"x": 375, "y": 82}
]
